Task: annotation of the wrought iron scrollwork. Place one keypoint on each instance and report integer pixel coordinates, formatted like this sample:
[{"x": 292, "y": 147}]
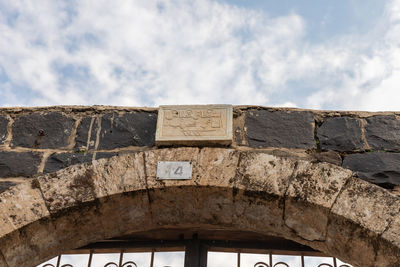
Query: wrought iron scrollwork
[
  {"x": 126, "y": 264},
  {"x": 278, "y": 264},
  {"x": 52, "y": 265}
]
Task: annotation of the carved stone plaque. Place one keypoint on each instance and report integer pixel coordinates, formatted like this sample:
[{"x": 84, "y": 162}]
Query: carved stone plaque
[{"x": 194, "y": 124}]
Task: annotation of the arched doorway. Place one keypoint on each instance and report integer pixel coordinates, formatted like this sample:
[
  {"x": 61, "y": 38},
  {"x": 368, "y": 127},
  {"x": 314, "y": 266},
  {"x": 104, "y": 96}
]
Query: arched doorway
[{"x": 315, "y": 204}]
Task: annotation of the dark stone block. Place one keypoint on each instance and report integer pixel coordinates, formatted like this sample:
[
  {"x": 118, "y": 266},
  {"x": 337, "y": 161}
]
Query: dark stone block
[
  {"x": 340, "y": 134},
  {"x": 3, "y": 129},
  {"x": 290, "y": 129},
  {"x": 5, "y": 185},
  {"x": 59, "y": 161},
  {"x": 117, "y": 131},
  {"x": 19, "y": 163},
  {"x": 37, "y": 130},
  {"x": 130, "y": 129},
  {"x": 377, "y": 167},
  {"x": 383, "y": 133}
]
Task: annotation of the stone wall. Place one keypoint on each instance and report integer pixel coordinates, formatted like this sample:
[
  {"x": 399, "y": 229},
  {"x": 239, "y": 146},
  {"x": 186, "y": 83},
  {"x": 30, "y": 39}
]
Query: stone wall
[{"x": 42, "y": 140}]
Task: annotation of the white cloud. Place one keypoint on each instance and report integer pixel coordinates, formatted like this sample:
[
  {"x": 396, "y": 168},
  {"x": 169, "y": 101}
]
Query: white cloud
[{"x": 185, "y": 52}]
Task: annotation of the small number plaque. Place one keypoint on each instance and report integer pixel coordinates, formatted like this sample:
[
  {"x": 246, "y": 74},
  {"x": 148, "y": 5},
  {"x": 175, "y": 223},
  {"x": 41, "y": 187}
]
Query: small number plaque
[{"x": 174, "y": 170}]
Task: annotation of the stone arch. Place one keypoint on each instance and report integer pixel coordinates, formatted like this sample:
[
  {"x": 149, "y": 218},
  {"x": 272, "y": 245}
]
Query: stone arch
[{"x": 317, "y": 204}]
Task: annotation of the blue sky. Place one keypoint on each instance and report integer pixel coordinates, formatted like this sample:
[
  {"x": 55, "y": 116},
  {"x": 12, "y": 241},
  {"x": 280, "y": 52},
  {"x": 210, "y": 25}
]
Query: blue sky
[{"x": 342, "y": 54}]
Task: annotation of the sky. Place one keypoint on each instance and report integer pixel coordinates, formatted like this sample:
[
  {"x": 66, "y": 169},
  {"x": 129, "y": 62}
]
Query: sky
[{"x": 326, "y": 54}]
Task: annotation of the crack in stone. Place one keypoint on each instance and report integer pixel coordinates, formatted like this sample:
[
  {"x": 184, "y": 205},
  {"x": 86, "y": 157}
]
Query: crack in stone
[
  {"x": 344, "y": 187},
  {"x": 3, "y": 258},
  {"x": 35, "y": 184},
  {"x": 147, "y": 188}
]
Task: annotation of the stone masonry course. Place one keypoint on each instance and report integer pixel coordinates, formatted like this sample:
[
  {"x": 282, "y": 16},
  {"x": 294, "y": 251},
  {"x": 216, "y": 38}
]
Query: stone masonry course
[{"x": 43, "y": 140}]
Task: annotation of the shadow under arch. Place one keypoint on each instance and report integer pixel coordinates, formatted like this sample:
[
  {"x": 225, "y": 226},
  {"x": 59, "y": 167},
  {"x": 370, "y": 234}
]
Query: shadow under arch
[{"x": 315, "y": 204}]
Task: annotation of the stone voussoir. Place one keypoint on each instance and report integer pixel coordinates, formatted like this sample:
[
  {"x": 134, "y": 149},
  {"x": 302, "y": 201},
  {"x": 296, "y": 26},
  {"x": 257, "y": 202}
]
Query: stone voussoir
[
  {"x": 314, "y": 184},
  {"x": 21, "y": 205},
  {"x": 368, "y": 205}
]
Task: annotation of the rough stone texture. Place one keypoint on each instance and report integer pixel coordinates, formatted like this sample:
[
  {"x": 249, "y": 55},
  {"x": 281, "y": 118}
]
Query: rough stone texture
[
  {"x": 129, "y": 211},
  {"x": 259, "y": 213},
  {"x": 392, "y": 234},
  {"x": 290, "y": 129},
  {"x": 67, "y": 187},
  {"x": 118, "y": 175},
  {"x": 351, "y": 243},
  {"x": 57, "y": 161},
  {"x": 19, "y": 163},
  {"x": 383, "y": 133},
  {"x": 169, "y": 206},
  {"x": 130, "y": 129},
  {"x": 3, "y": 261},
  {"x": 378, "y": 167},
  {"x": 20, "y": 205},
  {"x": 314, "y": 184},
  {"x": 3, "y": 129},
  {"x": 259, "y": 172},
  {"x": 217, "y": 166},
  {"x": 37, "y": 130},
  {"x": 370, "y": 206},
  {"x": 340, "y": 134}
]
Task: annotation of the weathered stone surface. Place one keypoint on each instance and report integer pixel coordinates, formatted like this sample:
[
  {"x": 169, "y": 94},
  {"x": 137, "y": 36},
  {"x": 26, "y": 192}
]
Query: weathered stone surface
[
  {"x": 130, "y": 129},
  {"x": 68, "y": 187},
  {"x": 340, "y": 134},
  {"x": 3, "y": 261},
  {"x": 19, "y": 163},
  {"x": 119, "y": 174},
  {"x": 392, "y": 234},
  {"x": 383, "y": 133},
  {"x": 290, "y": 129},
  {"x": 37, "y": 130},
  {"x": 130, "y": 212},
  {"x": 3, "y": 129},
  {"x": 378, "y": 167},
  {"x": 329, "y": 157},
  {"x": 21, "y": 205},
  {"x": 346, "y": 240},
  {"x": 313, "y": 184},
  {"x": 59, "y": 161},
  {"x": 207, "y": 205},
  {"x": 370, "y": 206},
  {"x": 264, "y": 172},
  {"x": 255, "y": 211},
  {"x": 217, "y": 167}
]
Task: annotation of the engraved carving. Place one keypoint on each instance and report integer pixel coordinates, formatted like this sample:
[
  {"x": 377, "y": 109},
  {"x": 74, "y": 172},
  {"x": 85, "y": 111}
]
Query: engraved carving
[{"x": 196, "y": 123}]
